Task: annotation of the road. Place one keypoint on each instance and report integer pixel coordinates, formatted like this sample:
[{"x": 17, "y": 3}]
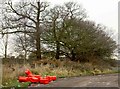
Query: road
[{"x": 106, "y": 80}]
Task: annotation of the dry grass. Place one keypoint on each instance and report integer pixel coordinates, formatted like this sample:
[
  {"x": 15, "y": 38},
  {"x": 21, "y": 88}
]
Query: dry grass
[{"x": 53, "y": 67}]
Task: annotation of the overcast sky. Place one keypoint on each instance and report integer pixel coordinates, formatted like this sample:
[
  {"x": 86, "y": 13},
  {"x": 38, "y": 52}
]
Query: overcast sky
[{"x": 100, "y": 11}]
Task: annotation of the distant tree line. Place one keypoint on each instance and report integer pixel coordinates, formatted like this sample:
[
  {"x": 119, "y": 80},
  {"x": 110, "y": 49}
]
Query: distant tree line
[{"x": 62, "y": 30}]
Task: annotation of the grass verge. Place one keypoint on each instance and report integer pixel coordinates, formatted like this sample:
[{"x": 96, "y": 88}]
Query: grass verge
[{"x": 59, "y": 68}]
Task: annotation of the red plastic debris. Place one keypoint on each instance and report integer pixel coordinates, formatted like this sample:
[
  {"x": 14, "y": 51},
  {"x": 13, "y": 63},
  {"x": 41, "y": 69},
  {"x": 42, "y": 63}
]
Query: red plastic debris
[
  {"x": 49, "y": 78},
  {"x": 36, "y": 78},
  {"x": 28, "y": 72},
  {"x": 23, "y": 79},
  {"x": 54, "y": 78},
  {"x": 33, "y": 79},
  {"x": 44, "y": 80}
]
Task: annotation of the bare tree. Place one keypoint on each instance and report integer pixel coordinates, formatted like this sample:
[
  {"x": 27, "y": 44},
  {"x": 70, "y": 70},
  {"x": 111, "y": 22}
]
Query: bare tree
[{"x": 31, "y": 11}]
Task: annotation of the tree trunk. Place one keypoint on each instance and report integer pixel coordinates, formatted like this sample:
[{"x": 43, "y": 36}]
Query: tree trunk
[
  {"x": 25, "y": 54},
  {"x": 38, "y": 48},
  {"x": 72, "y": 55},
  {"x": 6, "y": 45},
  {"x": 38, "y": 45},
  {"x": 57, "y": 50}
]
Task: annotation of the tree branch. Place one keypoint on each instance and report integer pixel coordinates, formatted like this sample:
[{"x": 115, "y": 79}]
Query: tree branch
[
  {"x": 16, "y": 32},
  {"x": 30, "y": 26},
  {"x": 24, "y": 16}
]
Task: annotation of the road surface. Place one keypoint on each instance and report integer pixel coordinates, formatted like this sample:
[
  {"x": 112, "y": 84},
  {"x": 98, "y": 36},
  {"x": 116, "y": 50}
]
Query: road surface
[{"x": 106, "y": 80}]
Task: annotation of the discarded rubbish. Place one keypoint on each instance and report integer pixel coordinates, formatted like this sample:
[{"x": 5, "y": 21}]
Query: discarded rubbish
[{"x": 36, "y": 78}]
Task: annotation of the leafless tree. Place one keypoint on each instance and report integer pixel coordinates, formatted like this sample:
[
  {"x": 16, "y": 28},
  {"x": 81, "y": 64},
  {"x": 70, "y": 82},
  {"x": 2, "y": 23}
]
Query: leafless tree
[{"x": 16, "y": 14}]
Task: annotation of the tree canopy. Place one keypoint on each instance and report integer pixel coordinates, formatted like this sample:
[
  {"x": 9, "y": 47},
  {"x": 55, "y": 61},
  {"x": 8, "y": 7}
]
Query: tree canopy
[{"x": 62, "y": 30}]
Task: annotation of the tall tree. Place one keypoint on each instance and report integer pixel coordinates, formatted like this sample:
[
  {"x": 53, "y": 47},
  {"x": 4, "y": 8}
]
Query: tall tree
[
  {"x": 85, "y": 39},
  {"x": 31, "y": 11},
  {"x": 57, "y": 23}
]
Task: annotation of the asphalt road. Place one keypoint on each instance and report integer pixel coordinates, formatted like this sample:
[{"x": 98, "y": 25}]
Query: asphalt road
[{"x": 106, "y": 80}]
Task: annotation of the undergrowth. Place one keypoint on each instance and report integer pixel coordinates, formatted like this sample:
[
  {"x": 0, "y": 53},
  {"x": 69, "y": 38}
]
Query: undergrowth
[{"x": 59, "y": 68}]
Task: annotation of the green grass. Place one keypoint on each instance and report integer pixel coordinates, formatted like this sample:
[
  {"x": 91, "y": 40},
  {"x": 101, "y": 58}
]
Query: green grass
[{"x": 15, "y": 83}]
